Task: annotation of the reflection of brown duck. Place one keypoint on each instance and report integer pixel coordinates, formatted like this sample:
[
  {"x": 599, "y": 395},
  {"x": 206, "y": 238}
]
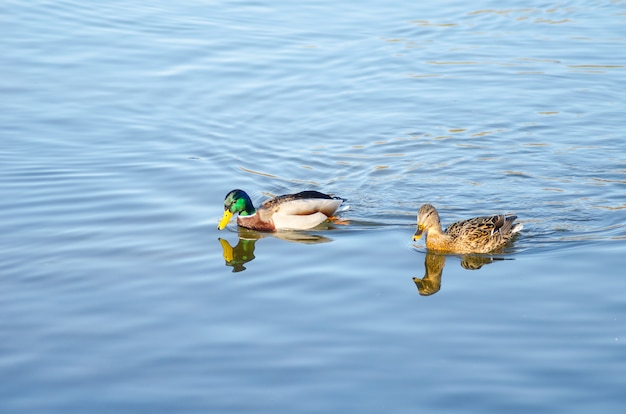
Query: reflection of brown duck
[
  {"x": 475, "y": 262},
  {"x": 434, "y": 264},
  {"x": 431, "y": 282}
]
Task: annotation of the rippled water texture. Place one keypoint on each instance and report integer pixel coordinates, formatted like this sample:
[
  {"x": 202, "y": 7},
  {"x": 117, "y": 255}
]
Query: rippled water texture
[{"x": 124, "y": 125}]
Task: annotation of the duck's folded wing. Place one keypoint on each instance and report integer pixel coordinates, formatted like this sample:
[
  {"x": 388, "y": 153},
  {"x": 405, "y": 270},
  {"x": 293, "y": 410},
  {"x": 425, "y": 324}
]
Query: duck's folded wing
[
  {"x": 476, "y": 228},
  {"x": 305, "y": 207},
  {"x": 298, "y": 222}
]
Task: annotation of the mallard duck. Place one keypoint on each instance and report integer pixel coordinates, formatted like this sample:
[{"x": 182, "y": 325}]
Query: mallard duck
[
  {"x": 300, "y": 211},
  {"x": 475, "y": 235}
]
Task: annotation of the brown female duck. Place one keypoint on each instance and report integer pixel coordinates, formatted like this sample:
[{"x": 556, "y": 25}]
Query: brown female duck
[{"x": 475, "y": 235}]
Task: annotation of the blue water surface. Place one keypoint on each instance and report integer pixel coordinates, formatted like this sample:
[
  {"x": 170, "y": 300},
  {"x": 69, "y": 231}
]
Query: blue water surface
[{"x": 125, "y": 123}]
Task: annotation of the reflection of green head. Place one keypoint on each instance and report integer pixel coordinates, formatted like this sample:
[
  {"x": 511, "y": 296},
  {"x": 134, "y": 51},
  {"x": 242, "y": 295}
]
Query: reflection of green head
[
  {"x": 237, "y": 201},
  {"x": 239, "y": 255}
]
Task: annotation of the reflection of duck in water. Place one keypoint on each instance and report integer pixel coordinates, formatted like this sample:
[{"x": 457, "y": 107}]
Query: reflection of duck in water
[
  {"x": 431, "y": 282},
  {"x": 237, "y": 256},
  {"x": 475, "y": 262},
  {"x": 434, "y": 264},
  {"x": 475, "y": 235},
  {"x": 300, "y": 211},
  {"x": 243, "y": 252}
]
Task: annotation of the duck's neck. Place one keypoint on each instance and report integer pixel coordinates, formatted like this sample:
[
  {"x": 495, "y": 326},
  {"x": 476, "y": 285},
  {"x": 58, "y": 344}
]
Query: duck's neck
[
  {"x": 246, "y": 213},
  {"x": 436, "y": 231},
  {"x": 247, "y": 209},
  {"x": 436, "y": 239}
]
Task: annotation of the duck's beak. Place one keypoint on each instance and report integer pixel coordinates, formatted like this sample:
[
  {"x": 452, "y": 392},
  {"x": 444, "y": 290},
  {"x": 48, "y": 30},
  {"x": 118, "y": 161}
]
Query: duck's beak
[
  {"x": 225, "y": 219},
  {"x": 418, "y": 232}
]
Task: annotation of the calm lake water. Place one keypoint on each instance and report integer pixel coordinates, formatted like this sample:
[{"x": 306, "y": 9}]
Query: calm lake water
[{"x": 124, "y": 124}]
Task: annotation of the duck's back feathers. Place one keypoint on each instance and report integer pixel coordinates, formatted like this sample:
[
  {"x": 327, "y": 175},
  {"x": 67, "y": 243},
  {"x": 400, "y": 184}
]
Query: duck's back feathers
[
  {"x": 302, "y": 195},
  {"x": 485, "y": 226},
  {"x": 302, "y": 210},
  {"x": 483, "y": 233}
]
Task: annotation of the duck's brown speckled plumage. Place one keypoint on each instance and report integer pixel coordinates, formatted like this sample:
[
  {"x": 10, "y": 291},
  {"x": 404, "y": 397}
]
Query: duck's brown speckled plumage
[{"x": 476, "y": 235}]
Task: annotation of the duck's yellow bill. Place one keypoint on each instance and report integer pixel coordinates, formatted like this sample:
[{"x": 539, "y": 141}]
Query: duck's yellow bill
[
  {"x": 225, "y": 219},
  {"x": 418, "y": 233}
]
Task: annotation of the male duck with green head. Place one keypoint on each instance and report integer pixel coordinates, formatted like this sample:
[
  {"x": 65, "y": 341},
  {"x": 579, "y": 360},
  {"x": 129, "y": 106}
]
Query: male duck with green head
[{"x": 300, "y": 211}]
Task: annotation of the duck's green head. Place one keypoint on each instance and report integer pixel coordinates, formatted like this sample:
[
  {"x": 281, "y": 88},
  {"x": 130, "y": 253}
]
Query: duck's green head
[{"x": 237, "y": 201}]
